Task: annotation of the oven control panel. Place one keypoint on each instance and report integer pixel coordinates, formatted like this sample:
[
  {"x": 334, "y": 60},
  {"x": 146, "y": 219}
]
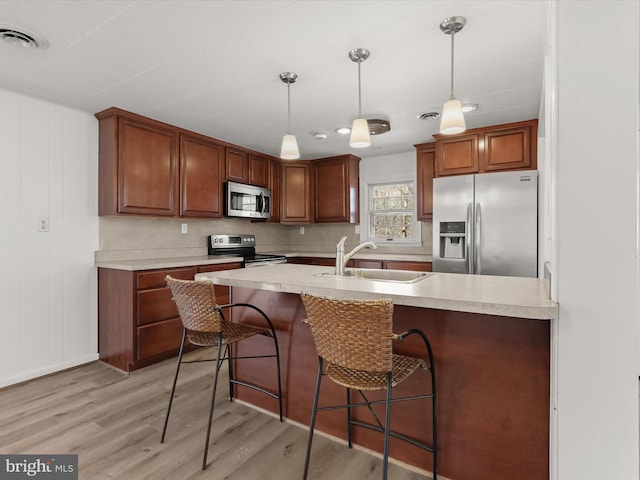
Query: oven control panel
[{"x": 232, "y": 241}]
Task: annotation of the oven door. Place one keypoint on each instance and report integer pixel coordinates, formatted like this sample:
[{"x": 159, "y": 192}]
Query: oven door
[
  {"x": 263, "y": 263},
  {"x": 247, "y": 201}
]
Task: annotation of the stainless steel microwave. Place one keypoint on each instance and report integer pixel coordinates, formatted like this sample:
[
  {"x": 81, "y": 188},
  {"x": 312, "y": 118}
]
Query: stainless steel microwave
[{"x": 247, "y": 201}]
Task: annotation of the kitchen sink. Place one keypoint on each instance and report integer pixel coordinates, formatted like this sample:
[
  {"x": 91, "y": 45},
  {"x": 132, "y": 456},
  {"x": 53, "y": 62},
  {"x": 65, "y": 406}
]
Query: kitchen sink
[{"x": 397, "y": 276}]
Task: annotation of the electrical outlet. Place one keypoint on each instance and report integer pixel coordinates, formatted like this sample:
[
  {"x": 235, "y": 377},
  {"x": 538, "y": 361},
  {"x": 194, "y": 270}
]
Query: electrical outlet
[
  {"x": 301, "y": 230},
  {"x": 183, "y": 228},
  {"x": 357, "y": 232},
  {"x": 43, "y": 224}
]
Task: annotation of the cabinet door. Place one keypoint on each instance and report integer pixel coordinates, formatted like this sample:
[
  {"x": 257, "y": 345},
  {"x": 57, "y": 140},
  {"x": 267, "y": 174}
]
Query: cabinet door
[
  {"x": 258, "y": 170},
  {"x": 274, "y": 186},
  {"x": 507, "y": 149},
  {"x": 413, "y": 266},
  {"x": 425, "y": 165},
  {"x": 367, "y": 263},
  {"x": 296, "y": 193},
  {"x": 457, "y": 155},
  {"x": 337, "y": 189},
  {"x": 236, "y": 165},
  {"x": 147, "y": 168},
  {"x": 201, "y": 166}
]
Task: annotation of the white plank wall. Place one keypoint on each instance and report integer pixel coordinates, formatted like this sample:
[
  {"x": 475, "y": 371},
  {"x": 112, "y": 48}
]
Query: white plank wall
[{"x": 48, "y": 289}]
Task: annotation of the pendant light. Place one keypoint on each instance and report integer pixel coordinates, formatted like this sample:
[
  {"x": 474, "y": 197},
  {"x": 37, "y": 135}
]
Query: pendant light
[
  {"x": 452, "y": 116},
  {"x": 360, "y": 128},
  {"x": 289, "y": 150}
]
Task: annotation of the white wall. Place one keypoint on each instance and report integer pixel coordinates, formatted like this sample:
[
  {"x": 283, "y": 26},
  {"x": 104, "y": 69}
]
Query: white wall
[
  {"x": 596, "y": 362},
  {"x": 48, "y": 288}
]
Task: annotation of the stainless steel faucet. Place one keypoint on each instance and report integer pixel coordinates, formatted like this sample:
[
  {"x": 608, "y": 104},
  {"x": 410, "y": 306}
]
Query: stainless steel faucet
[{"x": 342, "y": 259}]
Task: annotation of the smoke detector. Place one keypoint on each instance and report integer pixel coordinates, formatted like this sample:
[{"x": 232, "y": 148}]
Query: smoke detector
[{"x": 21, "y": 37}]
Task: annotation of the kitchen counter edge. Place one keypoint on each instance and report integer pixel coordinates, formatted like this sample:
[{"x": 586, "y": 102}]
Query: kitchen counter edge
[
  {"x": 170, "y": 262},
  {"x": 484, "y": 294}
]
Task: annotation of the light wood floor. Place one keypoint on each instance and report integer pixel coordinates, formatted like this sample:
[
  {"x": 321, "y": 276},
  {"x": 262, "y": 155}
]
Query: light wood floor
[{"x": 113, "y": 422}]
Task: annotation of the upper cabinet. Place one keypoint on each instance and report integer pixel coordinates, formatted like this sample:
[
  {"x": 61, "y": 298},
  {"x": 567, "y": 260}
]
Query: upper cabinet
[
  {"x": 509, "y": 146},
  {"x": 243, "y": 166},
  {"x": 258, "y": 170},
  {"x": 273, "y": 184},
  {"x": 236, "y": 165},
  {"x": 337, "y": 189},
  {"x": 425, "y": 165},
  {"x": 138, "y": 165},
  {"x": 296, "y": 184},
  {"x": 201, "y": 166}
]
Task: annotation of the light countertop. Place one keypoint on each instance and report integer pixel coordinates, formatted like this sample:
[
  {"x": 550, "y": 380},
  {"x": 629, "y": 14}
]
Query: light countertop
[
  {"x": 169, "y": 262},
  {"x": 176, "y": 262},
  {"x": 485, "y": 294}
]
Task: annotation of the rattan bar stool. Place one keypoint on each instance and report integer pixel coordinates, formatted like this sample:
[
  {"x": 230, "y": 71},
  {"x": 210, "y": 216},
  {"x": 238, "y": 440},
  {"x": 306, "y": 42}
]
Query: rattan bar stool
[
  {"x": 205, "y": 325},
  {"x": 354, "y": 339}
]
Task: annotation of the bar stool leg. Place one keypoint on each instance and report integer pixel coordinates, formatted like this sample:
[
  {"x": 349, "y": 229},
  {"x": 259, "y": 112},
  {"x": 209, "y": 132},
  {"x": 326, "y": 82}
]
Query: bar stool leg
[
  {"x": 213, "y": 400},
  {"x": 229, "y": 351},
  {"x": 313, "y": 418},
  {"x": 387, "y": 428},
  {"x": 173, "y": 388},
  {"x": 349, "y": 434}
]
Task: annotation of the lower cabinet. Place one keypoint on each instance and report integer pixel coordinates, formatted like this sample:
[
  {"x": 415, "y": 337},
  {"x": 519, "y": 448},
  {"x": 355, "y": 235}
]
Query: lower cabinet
[
  {"x": 138, "y": 322},
  {"x": 365, "y": 263}
]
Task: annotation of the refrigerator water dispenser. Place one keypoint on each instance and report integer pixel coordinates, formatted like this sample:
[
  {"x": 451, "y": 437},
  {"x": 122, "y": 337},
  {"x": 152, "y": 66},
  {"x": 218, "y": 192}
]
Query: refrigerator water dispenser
[{"x": 452, "y": 240}]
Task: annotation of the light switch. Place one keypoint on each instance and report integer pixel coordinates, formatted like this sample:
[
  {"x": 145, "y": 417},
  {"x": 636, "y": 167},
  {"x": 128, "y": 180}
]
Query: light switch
[{"x": 184, "y": 228}]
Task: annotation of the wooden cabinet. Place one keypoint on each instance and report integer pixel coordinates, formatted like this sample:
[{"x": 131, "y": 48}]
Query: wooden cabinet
[
  {"x": 337, "y": 189},
  {"x": 138, "y": 322},
  {"x": 274, "y": 185},
  {"x": 296, "y": 189},
  {"x": 236, "y": 165},
  {"x": 201, "y": 165},
  {"x": 425, "y": 166},
  {"x": 138, "y": 165},
  {"x": 414, "y": 266},
  {"x": 365, "y": 263},
  {"x": 509, "y": 146},
  {"x": 243, "y": 166},
  {"x": 147, "y": 167},
  {"x": 258, "y": 170},
  {"x": 457, "y": 154}
]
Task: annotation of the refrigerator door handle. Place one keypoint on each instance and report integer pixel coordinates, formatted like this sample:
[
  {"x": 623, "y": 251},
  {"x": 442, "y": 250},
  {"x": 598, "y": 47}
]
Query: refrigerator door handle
[
  {"x": 478, "y": 238},
  {"x": 468, "y": 239}
]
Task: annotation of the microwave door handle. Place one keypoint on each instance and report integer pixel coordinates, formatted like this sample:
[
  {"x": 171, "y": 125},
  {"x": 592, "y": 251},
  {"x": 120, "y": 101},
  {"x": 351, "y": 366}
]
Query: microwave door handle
[{"x": 262, "y": 203}]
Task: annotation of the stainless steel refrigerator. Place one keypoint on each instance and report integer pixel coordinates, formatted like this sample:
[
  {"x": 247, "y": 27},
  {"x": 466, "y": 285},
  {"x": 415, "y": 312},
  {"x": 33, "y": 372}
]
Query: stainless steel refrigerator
[{"x": 486, "y": 224}]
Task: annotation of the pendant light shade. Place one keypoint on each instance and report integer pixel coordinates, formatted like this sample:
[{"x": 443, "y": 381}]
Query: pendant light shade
[
  {"x": 452, "y": 117},
  {"x": 289, "y": 150},
  {"x": 360, "y": 129}
]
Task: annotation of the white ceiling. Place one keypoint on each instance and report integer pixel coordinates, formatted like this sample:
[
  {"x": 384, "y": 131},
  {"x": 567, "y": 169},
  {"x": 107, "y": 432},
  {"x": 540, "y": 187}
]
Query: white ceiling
[{"x": 213, "y": 66}]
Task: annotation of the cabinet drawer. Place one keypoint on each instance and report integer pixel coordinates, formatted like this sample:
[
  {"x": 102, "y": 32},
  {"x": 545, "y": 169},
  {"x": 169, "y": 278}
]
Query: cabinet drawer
[
  {"x": 155, "y": 278},
  {"x": 155, "y": 305},
  {"x": 159, "y": 338}
]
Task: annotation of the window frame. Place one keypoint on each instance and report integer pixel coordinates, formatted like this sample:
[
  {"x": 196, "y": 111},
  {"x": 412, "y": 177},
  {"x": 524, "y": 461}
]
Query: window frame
[{"x": 366, "y": 212}]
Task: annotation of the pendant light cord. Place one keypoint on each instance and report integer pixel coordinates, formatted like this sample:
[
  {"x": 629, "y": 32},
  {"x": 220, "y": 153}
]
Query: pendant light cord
[
  {"x": 288, "y": 107},
  {"x": 452, "y": 49},
  {"x": 359, "y": 91}
]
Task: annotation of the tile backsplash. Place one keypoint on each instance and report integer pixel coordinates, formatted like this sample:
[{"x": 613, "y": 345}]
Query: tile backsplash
[{"x": 124, "y": 238}]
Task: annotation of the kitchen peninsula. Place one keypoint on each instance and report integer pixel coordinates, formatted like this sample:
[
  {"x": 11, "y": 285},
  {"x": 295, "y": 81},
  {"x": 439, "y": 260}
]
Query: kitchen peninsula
[{"x": 491, "y": 341}]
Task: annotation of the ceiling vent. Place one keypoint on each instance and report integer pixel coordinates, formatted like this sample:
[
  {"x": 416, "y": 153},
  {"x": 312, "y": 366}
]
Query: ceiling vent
[
  {"x": 428, "y": 116},
  {"x": 21, "y": 37},
  {"x": 378, "y": 126}
]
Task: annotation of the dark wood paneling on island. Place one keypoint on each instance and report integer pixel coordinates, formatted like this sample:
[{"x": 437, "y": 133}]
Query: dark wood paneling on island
[{"x": 492, "y": 382}]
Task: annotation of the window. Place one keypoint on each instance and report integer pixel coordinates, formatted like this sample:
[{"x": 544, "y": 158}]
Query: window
[{"x": 391, "y": 216}]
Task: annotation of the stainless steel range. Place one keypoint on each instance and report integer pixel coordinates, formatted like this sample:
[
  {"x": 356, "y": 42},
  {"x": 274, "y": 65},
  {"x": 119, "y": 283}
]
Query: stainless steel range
[{"x": 242, "y": 246}]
